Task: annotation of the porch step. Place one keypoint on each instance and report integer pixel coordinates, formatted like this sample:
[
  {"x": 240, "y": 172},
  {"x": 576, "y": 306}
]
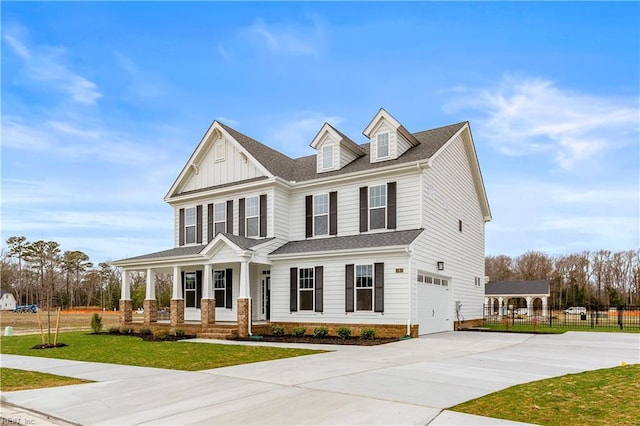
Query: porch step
[{"x": 220, "y": 332}]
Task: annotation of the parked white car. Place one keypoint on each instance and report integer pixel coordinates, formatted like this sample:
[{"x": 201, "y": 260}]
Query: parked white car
[{"x": 575, "y": 310}]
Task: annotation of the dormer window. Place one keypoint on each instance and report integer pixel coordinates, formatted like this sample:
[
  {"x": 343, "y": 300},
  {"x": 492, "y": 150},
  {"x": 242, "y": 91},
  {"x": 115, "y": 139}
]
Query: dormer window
[
  {"x": 327, "y": 157},
  {"x": 382, "y": 145}
]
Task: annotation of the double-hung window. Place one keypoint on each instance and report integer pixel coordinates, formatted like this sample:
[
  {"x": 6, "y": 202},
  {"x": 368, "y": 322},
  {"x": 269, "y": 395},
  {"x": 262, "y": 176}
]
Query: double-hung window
[
  {"x": 190, "y": 225},
  {"x": 253, "y": 216},
  {"x": 220, "y": 286},
  {"x": 306, "y": 288},
  {"x": 364, "y": 287},
  {"x": 378, "y": 207},
  {"x": 327, "y": 156},
  {"x": 220, "y": 218},
  {"x": 382, "y": 145},
  {"x": 190, "y": 289},
  {"x": 321, "y": 214}
]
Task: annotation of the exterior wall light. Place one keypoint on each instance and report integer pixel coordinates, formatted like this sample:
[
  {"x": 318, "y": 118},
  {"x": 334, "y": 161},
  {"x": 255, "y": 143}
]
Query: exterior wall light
[{"x": 440, "y": 265}]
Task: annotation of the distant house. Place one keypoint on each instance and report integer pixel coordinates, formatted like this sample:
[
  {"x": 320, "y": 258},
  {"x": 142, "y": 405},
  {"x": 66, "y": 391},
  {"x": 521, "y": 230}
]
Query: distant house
[
  {"x": 500, "y": 295},
  {"x": 386, "y": 234},
  {"x": 7, "y": 301}
]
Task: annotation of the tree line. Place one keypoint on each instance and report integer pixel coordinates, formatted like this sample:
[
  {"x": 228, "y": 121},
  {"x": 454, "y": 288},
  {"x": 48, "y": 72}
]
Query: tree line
[
  {"x": 596, "y": 279},
  {"x": 39, "y": 272}
]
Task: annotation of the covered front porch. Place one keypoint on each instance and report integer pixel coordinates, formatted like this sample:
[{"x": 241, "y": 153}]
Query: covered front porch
[{"x": 221, "y": 289}]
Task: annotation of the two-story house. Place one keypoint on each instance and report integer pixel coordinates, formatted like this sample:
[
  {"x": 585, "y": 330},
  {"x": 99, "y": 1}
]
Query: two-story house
[{"x": 387, "y": 234}]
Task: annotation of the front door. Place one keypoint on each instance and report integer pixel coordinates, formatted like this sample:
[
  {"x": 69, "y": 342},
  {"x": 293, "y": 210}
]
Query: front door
[{"x": 265, "y": 308}]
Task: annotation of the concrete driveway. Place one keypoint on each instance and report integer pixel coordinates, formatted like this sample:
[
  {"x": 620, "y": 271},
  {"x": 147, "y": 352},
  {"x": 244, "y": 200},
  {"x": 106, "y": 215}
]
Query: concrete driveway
[{"x": 408, "y": 382}]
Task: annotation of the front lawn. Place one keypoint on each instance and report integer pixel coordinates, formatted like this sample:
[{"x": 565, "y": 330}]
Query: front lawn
[
  {"x": 600, "y": 397},
  {"x": 130, "y": 350},
  {"x": 15, "y": 380}
]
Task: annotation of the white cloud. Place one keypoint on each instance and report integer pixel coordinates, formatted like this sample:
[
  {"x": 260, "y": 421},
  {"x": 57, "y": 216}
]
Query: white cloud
[
  {"x": 141, "y": 82},
  {"x": 287, "y": 39},
  {"x": 532, "y": 115},
  {"x": 294, "y": 136},
  {"x": 228, "y": 121},
  {"x": 47, "y": 66}
]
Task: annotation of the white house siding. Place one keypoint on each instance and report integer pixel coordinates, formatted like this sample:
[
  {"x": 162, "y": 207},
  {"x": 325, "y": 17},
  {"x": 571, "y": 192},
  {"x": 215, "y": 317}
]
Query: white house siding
[
  {"x": 212, "y": 173},
  {"x": 346, "y": 156},
  {"x": 407, "y": 209},
  {"x": 450, "y": 179},
  {"x": 396, "y": 290},
  {"x": 281, "y": 216}
]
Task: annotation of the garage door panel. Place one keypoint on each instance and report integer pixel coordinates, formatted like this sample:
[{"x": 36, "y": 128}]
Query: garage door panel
[{"x": 433, "y": 308}]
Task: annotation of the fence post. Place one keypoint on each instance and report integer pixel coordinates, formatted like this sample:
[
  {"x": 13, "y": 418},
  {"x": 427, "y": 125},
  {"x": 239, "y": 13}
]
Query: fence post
[{"x": 620, "y": 315}]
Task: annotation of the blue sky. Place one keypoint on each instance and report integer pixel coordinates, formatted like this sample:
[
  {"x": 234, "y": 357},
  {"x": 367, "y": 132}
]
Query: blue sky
[{"x": 102, "y": 104}]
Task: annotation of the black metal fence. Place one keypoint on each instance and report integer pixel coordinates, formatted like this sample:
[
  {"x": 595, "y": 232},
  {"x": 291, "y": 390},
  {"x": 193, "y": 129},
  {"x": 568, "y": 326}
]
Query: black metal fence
[{"x": 621, "y": 318}]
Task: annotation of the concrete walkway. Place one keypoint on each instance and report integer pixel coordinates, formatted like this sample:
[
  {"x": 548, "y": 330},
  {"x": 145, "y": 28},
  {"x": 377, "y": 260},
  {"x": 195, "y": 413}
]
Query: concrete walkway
[{"x": 408, "y": 382}]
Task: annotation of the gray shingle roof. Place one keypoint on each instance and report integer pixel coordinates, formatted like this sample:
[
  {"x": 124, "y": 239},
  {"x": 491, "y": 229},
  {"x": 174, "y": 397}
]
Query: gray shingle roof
[
  {"x": 245, "y": 243},
  {"x": 384, "y": 239},
  {"x": 304, "y": 168},
  {"x": 517, "y": 287}
]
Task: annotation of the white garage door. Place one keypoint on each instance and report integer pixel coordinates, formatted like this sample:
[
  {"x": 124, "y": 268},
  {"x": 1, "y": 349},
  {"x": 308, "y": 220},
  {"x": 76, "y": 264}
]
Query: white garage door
[{"x": 433, "y": 305}]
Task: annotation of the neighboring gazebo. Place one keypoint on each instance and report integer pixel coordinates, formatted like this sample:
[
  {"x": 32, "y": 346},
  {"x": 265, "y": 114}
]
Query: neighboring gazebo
[{"x": 497, "y": 296}]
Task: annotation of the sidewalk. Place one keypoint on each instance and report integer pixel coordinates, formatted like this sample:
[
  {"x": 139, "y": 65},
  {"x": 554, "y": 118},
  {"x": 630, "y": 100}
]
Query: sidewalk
[{"x": 408, "y": 382}]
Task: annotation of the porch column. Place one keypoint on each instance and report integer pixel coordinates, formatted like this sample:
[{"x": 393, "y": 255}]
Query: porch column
[
  {"x": 125, "y": 299},
  {"x": 208, "y": 302},
  {"x": 177, "y": 302},
  {"x": 150, "y": 304},
  {"x": 529, "y": 305},
  {"x": 545, "y": 306},
  {"x": 501, "y": 305},
  {"x": 243, "y": 300}
]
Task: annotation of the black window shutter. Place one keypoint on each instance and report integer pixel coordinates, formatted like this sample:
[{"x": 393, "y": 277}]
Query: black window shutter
[
  {"x": 364, "y": 209},
  {"x": 308, "y": 213},
  {"x": 378, "y": 283},
  {"x": 229, "y": 287},
  {"x": 318, "y": 284},
  {"x": 263, "y": 215},
  {"x": 241, "y": 217},
  {"x": 348, "y": 288},
  {"x": 182, "y": 280},
  {"x": 181, "y": 226},
  {"x": 333, "y": 213},
  {"x": 198, "y": 288},
  {"x": 230, "y": 217},
  {"x": 199, "y": 224},
  {"x": 391, "y": 205},
  {"x": 210, "y": 223},
  {"x": 293, "y": 289}
]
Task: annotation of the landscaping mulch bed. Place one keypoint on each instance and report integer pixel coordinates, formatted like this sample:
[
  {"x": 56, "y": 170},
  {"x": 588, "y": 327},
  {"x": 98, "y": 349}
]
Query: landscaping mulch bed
[
  {"x": 329, "y": 340},
  {"x": 49, "y": 346}
]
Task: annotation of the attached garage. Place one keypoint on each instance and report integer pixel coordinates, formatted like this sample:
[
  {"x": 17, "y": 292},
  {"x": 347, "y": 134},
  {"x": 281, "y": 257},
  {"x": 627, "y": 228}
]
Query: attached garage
[{"x": 433, "y": 304}]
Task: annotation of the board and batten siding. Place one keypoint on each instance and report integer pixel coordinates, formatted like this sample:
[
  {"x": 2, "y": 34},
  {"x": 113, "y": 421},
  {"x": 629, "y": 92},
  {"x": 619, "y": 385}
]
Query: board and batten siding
[
  {"x": 233, "y": 168},
  {"x": 396, "y": 291},
  {"x": 407, "y": 209},
  {"x": 449, "y": 195}
]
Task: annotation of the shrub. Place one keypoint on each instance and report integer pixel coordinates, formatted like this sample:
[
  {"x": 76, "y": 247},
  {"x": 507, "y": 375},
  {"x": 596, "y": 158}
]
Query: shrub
[
  {"x": 344, "y": 332},
  {"x": 160, "y": 334},
  {"x": 277, "y": 330},
  {"x": 114, "y": 330},
  {"x": 179, "y": 332},
  {"x": 146, "y": 332},
  {"x": 96, "y": 323},
  {"x": 298, "y": 331},
  {"x": 127, "y": 330},
  {"x": 320, "y": 332},
  {"x": 368, "y": 333}
]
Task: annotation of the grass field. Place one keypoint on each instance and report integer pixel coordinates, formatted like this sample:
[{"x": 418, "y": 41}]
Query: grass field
[
  {"x": 15, "y": 380},
  {"x": 600, "y": 397},
  {"x": 131, "y": 350},
  {"x": 24, "y": 323}
]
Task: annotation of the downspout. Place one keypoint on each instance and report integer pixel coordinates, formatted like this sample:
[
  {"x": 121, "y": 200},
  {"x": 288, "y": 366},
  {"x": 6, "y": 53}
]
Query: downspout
[
  {"x": 409, "y": 253},
  {"x": 250, "y": 302}
]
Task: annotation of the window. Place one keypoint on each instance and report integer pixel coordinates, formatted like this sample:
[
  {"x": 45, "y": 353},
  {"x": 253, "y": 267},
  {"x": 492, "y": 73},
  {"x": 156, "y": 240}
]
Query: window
[
  {"x": 190, "y": 289},
  {"x": 253, "y": 216},
  {"x": 220, "y": 218},
  {"x": 422, "y": 277},
  {"x": 305, "y": 285},
  {"x": 364, "y": 287},
  {"x": 219, "y": 287},
  {"x": 382, "y": 144},
  {"x": 327, "y": 156},
  {"x": 321, "y": 214},
  {"x": 190, "y": 225},
  {"x": 377, "y": 206}
]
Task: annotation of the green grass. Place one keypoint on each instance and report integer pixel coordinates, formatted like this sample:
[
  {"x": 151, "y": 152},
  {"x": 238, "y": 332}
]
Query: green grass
[
  {"x": 129, "y": 350},
  {"x": 14, "y": 380},
  {"x": 600, "y": 397}
]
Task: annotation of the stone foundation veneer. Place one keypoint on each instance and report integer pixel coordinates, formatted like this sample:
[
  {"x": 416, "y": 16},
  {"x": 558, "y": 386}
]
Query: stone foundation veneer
[
  {"x": 243, "y": 318},
  {"x": 126, "y": 307},
  {"x": 177, "y": 312},
  {"x": 150, "y": 310},
  {"x": 207, "y": 311}
]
